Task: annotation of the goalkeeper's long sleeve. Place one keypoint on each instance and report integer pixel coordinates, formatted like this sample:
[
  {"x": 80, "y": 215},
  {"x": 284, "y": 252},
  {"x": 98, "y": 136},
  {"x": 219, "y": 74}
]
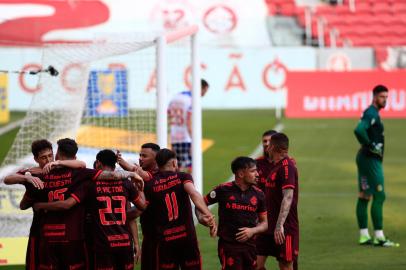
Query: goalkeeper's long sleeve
[{"x": 361, "y": 132}]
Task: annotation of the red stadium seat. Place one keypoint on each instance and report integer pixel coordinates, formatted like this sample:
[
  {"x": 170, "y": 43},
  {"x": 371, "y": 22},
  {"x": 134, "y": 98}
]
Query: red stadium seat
[
  {"x": 373, "y": 23},
  {"x": 382, "y": 7},
  {"x": 288, "y": 9},
  {"x": 364, "y": 7},
  {"x": 399, "y": 7}
]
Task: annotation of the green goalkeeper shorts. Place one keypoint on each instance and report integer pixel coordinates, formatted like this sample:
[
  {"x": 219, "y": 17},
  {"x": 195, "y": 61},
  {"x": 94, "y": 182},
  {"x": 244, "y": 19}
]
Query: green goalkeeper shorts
[{"x": 370, "y": 174}]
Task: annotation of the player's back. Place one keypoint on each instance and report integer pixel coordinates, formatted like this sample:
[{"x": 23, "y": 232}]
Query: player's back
[
  {"x": 178, "y": 111},
  {"x": 108, "y": 200},
  {"x": 60, "y": 184},
  {"x": 171, "y": 206}
]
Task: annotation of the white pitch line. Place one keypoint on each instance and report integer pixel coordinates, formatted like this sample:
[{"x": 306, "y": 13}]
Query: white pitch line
[
  {"x": 279, "y": 127},
  {"x": 11, "y": 126}
]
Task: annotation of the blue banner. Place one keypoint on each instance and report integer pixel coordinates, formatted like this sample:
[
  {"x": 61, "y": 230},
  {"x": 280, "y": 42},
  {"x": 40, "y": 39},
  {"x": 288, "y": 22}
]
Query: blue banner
[{"x": 107, "y": 93}]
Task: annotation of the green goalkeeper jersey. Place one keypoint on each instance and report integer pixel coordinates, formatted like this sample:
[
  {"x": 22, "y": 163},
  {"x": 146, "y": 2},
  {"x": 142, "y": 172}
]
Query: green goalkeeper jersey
[{"x": 369, "y": 133}]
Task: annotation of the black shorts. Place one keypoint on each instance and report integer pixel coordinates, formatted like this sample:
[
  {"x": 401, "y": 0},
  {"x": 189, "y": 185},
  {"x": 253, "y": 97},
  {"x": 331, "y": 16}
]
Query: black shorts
[
  {"x": 184, "y": 254},
  {"x": 120, "y": 259},
  {"x": 63, "y": 256},
  {"x": 184, "y": 154},
  {"x": 31, "y": 258},
  {"x": 148, "y": 253},
  {"x": 264, "y": 246},
  {"x": 89, "y": 242},
  {"x": 235, "y": 257}
]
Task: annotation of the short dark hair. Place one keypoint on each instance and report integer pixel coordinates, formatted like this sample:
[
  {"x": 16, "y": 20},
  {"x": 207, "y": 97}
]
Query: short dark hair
[
  {"x": 153, "y": 146},
  {"x": 40, "y": 145},
  {"x": 379, "y": 89},
  {"x": 241, "y": 163},
  {"x": 163, "y": 156},
  {"x": 281, "y": 141},
  {"x": 269, "y": 133},
  {"x": 107, "y": 158},
  {"x": 67, "y": 147},
  {"x": 204, "y": 83}
]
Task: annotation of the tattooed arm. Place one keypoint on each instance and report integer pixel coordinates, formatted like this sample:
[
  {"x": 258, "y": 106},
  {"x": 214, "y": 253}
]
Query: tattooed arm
[
  {"x": 279, "y": 233},
  {"x": 122, "y": 175}
]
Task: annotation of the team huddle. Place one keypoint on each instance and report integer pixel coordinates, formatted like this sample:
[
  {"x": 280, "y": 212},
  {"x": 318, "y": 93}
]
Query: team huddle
[{"x": 86, "y": 218}]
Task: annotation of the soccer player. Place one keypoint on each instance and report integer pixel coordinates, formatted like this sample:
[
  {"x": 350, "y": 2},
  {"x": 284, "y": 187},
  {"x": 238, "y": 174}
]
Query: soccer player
[
  {"x": 62, "y": 236},
  {"x": 43, "y": 155},
  {"x": 242, "y": 214},
  {"x": 264, "y": 162},
  {"x": 264, "y": 166},
  {"x": 180, "y": 123},
  {"x": 369, "y": 133},
  {"x": 108, "y": 199},
  {"x": 282, "y": 193},
  {"x": 169, "y": 198},
  {"x": 148, "y": 169}
]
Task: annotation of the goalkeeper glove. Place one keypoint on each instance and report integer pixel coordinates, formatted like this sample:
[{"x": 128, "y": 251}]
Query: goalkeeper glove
[{"x": 376, "y": 148}]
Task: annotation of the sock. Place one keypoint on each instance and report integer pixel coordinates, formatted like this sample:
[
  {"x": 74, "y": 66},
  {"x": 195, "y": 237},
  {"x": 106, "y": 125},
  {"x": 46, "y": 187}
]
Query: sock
[
  {"x": 377, "y": 210},
  {"x": 362, "y": 213},
  {"x": 379, "y": 234},
  {"x": 364, "y": 232}
]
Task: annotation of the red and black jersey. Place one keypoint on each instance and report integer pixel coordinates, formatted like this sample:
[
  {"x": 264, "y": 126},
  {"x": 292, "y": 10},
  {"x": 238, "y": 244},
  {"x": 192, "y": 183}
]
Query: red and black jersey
[
  {"x": 264, "y": 167},
  {"x": 284, "y": 175},
  {"x": 30, "y": 193},
  {"x": 147, "y": 217},
  {"x": 237, "y": 209},
  {"x": 108, "y": 201},
  {"x": 170, "y": 206},
  {"x": 60, "y": 184}
]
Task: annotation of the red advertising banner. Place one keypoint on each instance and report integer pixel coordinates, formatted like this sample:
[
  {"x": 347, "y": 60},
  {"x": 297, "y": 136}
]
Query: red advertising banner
[{"x": 343, "y": 94}]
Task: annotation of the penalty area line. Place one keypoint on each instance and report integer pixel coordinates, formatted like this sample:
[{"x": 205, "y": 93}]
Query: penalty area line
[
  {"x": 11, "y": 126},
  {"x": 278, "y": 127}
]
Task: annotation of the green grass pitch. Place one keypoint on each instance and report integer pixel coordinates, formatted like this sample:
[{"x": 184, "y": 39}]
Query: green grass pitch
[{"x": 325, "y": 153}]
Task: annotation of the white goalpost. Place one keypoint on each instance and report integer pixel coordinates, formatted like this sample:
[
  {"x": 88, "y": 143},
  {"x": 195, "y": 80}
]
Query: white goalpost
[{"x": 110, "y": 93}]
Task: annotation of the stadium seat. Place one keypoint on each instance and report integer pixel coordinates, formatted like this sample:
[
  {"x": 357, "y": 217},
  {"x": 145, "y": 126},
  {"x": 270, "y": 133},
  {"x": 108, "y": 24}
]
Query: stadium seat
[
  {"x": 382, "y": 7},
  {"x": 288, "y": 9}
]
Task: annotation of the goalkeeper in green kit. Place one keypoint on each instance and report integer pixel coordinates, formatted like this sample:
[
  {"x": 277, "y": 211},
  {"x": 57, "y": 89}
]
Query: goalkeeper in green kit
[{"x": 369, "y": 133}]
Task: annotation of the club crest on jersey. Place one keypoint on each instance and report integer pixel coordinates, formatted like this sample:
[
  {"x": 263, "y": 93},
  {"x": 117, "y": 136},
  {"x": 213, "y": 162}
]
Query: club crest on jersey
[
  {"x": 213, "y": 194},
  {"x": 253, "y": 200},
  {"x": 232, "y": 198},
  {"x": 230, "y": 261},
  {"x": 273, "y": 176}
]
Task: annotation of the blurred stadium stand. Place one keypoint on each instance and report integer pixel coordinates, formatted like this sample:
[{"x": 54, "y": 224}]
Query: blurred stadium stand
[{"x": 347, "y": 23}]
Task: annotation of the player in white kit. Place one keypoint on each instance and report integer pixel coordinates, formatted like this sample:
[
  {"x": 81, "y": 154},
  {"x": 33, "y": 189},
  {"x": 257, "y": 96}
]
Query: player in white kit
[{"x": 180, "y": 123}]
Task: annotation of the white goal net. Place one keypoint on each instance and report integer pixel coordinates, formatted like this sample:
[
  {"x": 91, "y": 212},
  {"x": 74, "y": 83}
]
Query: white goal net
[{"x": 105, "y": 96}]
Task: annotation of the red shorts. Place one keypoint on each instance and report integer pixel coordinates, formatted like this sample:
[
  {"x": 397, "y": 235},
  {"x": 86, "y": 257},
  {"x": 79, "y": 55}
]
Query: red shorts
[
  {"x": 182, "y": 253},
  {"x": 234, "y": 257},
  {"x": 148, "y": 253},
  {"x": 288, "y": 251},
  {"x": 121, "y": 259},
  {"x": 61, "y": 256}
]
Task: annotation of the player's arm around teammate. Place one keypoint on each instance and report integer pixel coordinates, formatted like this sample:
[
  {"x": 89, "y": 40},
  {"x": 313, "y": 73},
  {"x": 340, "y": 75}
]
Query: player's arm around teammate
[
  {"x": 201, "y": 207},
  {"x": 17, "y": 178},
  {"x": 145, "y": 175}
]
